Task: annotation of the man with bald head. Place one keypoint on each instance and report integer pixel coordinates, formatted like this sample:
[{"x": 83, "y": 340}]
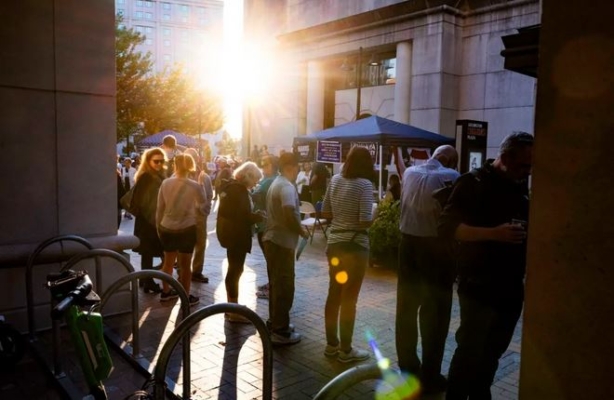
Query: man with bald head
[{"x": 426, "y": 270}]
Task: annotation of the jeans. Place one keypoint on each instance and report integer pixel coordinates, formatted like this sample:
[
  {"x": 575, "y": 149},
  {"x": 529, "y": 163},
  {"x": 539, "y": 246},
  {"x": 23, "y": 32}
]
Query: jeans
[
  {"x": 236, "y": 262},
  {"x": 340, "y": 309},
  {"x": 280, "y": 268},
  {"x": 488, "y": 318},
  {"x": 424, "y": 291}
]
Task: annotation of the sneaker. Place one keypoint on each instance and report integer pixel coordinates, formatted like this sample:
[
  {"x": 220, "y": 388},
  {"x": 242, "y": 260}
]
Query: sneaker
[
  {"x": 262, "y": 294},
  {"x": 168, "y": 296},
  {"x": 352, "y": 356},
  {"x": 193, "y": 300},
  {"x": 236, "y": 318},
  {"x": 331, "y": 351},
  {"x": 264, "y": 287},
  {"x": 199, "y": 277},
  {"x": 291, "y": 338},
  {"x": 436, "y": 384}
]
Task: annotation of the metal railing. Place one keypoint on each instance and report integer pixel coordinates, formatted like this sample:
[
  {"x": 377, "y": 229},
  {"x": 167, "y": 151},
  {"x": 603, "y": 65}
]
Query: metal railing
[
  {"x": 183, "y": 329},
  {"x": 347, "y": 379},
  {"x": 136, "y": 345}
]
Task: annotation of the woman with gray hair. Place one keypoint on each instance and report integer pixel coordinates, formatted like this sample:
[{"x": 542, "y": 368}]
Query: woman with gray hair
[{"x": 235, "y": 220}]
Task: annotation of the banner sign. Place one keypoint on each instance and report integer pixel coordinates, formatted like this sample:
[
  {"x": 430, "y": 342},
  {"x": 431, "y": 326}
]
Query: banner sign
[
  {"x": 371, "y": 146},
  {"x": 329, "y": 152},
  {"x": 303, "y": 151}
]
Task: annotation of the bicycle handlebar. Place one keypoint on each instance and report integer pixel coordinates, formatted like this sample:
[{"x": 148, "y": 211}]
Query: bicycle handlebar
[{"x": 79, "y": 293}]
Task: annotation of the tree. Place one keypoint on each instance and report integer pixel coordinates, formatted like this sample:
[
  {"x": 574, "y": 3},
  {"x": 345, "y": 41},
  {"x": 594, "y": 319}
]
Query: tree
[
  {"x": 133, "y": 79},
  {"x": 168, "y": 100}
]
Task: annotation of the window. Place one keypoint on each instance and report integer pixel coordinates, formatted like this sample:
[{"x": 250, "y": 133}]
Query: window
[
  {"x": 139, "y": 3},
  {"x": 121, "y": 1},
  {"x": 185, "y": 9},
  {"x": 167, "y": 31},
  {"x": 138, "y": 15},
  {"x": 166, "y": 17},
  {"x": 149, "y": 30},
  {"x": 166, "y": 6},
  {"x": 148, "y": 15},
  {"x": 140, "y": 29},
  {"x": 148, "y": 41},
  {"x": 167, "y": 43},
  {"x": 148, "y": 4}
]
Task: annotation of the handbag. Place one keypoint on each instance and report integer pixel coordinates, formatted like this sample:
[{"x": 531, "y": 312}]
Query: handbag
[{"x": 126, "y": 202}]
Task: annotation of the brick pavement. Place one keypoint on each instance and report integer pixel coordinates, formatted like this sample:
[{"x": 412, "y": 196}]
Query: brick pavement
[
  {"x": 227, "y": 358},
  {"x": 222, "y": 369}
]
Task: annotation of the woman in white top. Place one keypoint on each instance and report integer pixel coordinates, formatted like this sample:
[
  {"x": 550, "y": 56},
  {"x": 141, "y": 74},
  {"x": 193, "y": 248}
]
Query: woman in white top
[
  {"x": 302, "y": 181},
  {"x": 179, "y": 201}
]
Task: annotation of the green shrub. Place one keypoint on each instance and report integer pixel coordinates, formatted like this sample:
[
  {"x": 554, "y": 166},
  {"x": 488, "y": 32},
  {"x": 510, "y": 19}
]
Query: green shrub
[{"x": 384, "y": 234}]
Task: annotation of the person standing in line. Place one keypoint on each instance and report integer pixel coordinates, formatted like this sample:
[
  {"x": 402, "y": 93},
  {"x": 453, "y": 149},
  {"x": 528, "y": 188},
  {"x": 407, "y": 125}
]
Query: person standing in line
[
  {"x": 426, "y": 271},
  {"x": 280, "y": 238},
  {"x": 270, "y": 170},
  {"x": 179, "y": 201},
  {"x": 349, "y": 202},
  {"x": 318, "y": 182},
  {"x": 128, "y": 173},
  {"x": 169, "y": 146},
  {"x": 202, "y": 178},
  {"x": 235, "y": 221},
  {"x": 255, "y": 155},
  {"x": 148, "y": 180},
  {"x": 302, "y": 182},
  {"x": 487, "y": 212}
]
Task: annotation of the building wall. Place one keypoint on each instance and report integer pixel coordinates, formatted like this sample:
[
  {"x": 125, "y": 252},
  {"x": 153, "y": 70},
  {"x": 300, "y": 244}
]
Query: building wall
[
  {"x": 174, "y": 28},
  {"x": 456, "y": 67},
  {"x": 57, "y": 110}
]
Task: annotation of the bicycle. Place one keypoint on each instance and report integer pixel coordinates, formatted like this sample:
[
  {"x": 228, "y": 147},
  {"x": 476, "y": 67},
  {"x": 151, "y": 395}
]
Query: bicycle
[{"x": 73, "y": 292}]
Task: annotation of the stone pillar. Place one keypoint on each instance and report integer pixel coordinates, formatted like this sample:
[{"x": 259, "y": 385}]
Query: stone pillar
[
  {"x": 402, "y": 87},
  {"x": 315, "y": 97},
  {"x": 567, "y": 344}
]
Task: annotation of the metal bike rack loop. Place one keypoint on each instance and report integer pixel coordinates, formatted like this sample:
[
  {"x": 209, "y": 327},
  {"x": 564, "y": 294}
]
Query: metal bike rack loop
[
  {"x": 136, "y": 346},
  {"x": 347, "y": 379},
  {"x": 30, "y": 265},
  {"x": 183, "y": 329}
]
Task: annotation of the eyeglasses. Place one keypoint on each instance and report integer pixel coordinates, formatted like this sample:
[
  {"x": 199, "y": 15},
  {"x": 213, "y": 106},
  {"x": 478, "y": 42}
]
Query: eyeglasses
[{"x": 158, "y": 161}]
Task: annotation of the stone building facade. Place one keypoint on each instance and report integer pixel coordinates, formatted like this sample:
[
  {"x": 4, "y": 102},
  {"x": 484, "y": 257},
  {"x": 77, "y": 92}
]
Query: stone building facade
[{"x": 435, "y": 62}]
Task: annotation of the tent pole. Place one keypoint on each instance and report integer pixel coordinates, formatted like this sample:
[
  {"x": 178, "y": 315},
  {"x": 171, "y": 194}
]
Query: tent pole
[{"x": 381, "y": 167}]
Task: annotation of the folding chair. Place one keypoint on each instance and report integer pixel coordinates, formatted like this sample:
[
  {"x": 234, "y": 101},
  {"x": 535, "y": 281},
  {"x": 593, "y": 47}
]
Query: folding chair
[
  {"x": 311, "y": 220},
  {"x": 324, "y": 224}
]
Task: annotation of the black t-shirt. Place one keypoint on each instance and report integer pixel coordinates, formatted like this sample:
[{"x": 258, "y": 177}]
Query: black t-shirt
[
  {"x": 487, "y": 199},
  {"x": 319, "y": 176}
]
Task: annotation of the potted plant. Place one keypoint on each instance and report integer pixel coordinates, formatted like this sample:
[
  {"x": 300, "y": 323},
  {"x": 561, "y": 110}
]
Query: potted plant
[{"x": 384, "y": 234}]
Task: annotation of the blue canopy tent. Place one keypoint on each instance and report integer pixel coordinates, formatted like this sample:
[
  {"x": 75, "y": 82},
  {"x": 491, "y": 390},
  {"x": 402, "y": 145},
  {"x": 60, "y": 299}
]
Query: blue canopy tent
[
  {"x": 156, "y": 139},
  {"x": 382, "y": 131}
]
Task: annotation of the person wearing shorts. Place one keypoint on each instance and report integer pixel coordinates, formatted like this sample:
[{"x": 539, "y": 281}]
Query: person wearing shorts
[{"x": 180, "y": 200}]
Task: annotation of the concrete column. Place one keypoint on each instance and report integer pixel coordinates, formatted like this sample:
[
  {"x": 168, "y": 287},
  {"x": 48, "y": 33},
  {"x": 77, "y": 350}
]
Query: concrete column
[
  {"x": 567, "y": 344},
  {"x": 402, "y": 87},
  {"x": 315, "y": 97}
]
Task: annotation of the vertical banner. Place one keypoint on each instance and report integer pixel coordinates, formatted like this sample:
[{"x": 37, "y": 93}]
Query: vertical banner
[
  {"x": 328, "y": 152},
  {"x": 371, "y": 146}
]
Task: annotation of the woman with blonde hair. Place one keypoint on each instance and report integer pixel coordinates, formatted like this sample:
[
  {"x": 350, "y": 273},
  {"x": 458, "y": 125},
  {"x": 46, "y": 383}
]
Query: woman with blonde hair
[
  {"x": 180, "y": 200},
  {"x": 148, "y": 179},
  {"x": 235, "y": 220}
]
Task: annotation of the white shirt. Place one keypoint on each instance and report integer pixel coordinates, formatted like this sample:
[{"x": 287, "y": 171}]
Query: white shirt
[
  {"x": 302, "y": 179},
  {"x": 419, "y": 210},
  {"x": 128, "y": 173}
]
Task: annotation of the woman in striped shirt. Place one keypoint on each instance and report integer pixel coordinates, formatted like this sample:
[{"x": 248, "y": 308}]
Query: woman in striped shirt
[{"x": 349, "y": 201}]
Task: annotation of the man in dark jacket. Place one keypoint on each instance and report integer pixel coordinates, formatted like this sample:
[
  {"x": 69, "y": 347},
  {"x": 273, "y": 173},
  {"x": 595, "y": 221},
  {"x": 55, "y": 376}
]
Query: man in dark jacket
[{"x": 487, "y": 213}]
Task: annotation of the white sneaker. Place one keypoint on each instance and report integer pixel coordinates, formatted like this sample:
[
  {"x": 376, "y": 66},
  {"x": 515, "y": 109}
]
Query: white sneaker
[{"x": 353, "y": 356}]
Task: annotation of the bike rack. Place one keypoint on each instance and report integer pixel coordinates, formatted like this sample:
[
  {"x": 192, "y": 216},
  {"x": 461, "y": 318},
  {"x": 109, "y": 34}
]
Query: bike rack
[
  {"x": 347, "y": 379},
  {"x": 30, "y": 265},
  {"x": 183, "y": 329},
  {"x": 135, "y": 359}
]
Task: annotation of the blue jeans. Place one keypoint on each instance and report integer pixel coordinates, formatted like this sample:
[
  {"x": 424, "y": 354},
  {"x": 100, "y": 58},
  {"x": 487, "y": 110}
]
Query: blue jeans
[{"x": 340, "y": 309}]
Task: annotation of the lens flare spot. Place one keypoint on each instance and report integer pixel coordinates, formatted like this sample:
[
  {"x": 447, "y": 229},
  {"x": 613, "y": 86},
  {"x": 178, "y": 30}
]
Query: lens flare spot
[
  {"x": 341, "y": 277},
  {"x": 383, "y": 364},
  {"x": 398, "y": 387},
  {"x": 334, "y": 262}
]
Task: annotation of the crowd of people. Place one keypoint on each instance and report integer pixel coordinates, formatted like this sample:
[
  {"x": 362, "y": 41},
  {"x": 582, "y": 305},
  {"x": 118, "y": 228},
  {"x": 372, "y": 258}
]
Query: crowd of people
[{"x": 475, "y": 235}]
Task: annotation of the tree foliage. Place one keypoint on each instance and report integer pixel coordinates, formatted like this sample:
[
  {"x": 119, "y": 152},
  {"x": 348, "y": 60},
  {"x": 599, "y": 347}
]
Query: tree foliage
[{"x": 167, "y": 100}]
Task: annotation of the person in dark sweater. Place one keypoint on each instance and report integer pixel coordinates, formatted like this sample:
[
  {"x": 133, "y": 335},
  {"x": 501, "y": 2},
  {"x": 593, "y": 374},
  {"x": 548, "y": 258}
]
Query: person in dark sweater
[{"x": 487, "y": 213}]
